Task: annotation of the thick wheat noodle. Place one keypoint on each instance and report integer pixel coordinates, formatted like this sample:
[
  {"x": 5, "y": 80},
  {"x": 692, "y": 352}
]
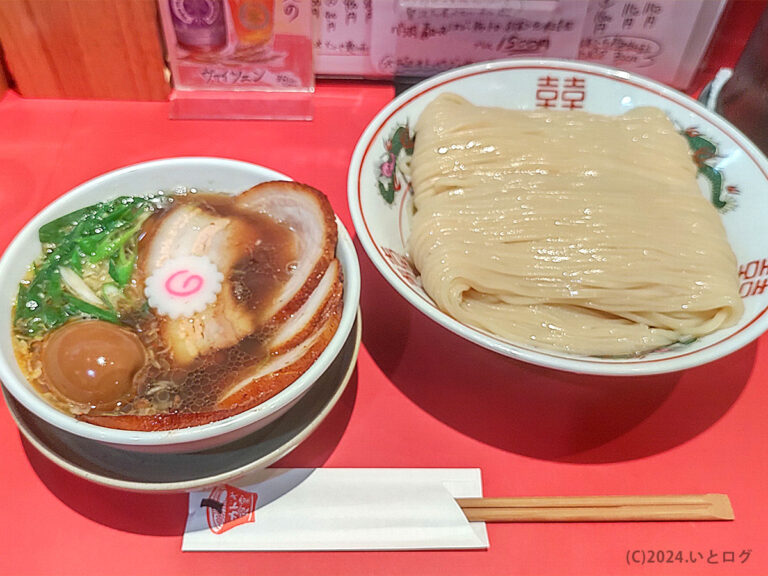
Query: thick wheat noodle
[{"x": 568, "y": 230}]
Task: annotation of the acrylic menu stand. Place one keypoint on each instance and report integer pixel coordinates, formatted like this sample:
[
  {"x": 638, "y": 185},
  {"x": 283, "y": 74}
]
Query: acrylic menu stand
[{"x": 239, "y": 58}]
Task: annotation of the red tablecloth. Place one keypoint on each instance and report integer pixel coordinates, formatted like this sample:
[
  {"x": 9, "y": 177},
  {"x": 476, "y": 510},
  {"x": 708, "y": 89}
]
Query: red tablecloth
[{"x": 420, "y": 397}]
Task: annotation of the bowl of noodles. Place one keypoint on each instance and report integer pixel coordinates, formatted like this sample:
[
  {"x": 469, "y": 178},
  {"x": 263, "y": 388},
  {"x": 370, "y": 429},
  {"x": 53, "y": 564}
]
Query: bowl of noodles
[
  {"x": 175, "y": 305},
  {"x": 568, "y": 215}
]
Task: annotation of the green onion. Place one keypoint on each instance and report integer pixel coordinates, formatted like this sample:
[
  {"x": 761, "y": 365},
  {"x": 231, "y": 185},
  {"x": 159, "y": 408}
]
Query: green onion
[{"x": 102, "y": 234}]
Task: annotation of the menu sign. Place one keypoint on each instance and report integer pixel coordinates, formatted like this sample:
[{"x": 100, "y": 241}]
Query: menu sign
[
  {"x": 342, "y": 36},
  {"x": 663, "y": 39},
  {"x": 650, "y": 37},
  {"x": 421, "y": 38}
]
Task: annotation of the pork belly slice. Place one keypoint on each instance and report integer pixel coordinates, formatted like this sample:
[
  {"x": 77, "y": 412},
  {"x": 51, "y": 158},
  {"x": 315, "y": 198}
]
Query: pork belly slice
[
  {"x": 299, "y": 325},
  {"x": 156, "y": 422},
  {"x": 281, "y": 369},
  {"x": 191, "y": 230},
  {"x": 300, "y": 320},
  {"x": 308, "y": 213},
  {"x": 252, "y": 388}
]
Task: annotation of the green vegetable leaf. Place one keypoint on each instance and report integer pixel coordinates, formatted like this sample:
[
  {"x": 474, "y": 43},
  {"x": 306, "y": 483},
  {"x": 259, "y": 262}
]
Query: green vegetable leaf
[
  {"x": 76, "y": 261},
  {"x": 77, "y": 305},
  {"x": 121, "y": 266},
  {"x": 53, "y": 232},
  {"x": 114, "y": 241},
  {"x": 104, "y": 232}
]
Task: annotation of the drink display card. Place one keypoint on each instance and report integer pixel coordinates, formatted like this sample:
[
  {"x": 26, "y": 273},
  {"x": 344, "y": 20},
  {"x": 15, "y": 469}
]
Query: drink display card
[{"x": 230, "y": 47}]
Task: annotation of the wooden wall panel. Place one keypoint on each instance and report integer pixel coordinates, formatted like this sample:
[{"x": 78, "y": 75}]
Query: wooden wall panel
[{"x": 110, "y": 49}]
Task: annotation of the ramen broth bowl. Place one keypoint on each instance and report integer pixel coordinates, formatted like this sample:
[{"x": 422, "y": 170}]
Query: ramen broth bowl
[
  {"x": 732, "y": 174},
  {"x": 168, "y": 175}
]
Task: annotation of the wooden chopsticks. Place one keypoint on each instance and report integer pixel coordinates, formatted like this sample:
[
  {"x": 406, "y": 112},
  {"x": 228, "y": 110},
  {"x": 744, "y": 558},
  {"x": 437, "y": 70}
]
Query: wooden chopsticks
[{"x": 598, "y": 508}]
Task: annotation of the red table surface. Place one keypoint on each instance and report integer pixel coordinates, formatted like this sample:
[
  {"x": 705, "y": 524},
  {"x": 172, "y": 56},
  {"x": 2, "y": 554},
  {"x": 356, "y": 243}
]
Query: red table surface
[{"x": 420, "y": 397}]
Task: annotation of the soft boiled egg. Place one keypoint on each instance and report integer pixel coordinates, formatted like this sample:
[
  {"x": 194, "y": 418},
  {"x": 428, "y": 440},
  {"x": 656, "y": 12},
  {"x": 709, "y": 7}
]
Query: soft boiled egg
[{"x": 92, "y": 362}]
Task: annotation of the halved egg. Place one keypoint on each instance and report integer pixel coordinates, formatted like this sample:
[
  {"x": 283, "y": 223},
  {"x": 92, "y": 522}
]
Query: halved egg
[{"x": 93, "y": 362}]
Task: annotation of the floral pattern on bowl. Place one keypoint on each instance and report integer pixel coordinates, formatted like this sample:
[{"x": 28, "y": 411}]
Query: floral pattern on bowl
[{"x": 389, "y": 171}]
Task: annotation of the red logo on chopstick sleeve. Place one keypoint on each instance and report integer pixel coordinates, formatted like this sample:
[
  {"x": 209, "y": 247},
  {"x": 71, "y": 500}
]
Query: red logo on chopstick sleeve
[{"x": 227, "y": 507}]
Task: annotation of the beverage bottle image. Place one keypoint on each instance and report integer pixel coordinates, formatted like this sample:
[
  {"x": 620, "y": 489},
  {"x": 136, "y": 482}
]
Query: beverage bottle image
[
  {"x": 253, "y": 20},
  {"x": 200, "y": 25}
]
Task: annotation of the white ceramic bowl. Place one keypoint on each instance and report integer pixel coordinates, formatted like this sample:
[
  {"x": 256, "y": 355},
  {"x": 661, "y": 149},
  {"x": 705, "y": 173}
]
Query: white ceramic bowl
[
  {"x": 204, "y": 174},
  {"x": 381, "y": 206}
]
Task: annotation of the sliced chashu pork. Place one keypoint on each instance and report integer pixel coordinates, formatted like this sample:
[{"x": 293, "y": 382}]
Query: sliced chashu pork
[
  {"x": 308, "y": 213},
  {"x": 190, "y": 229},
  {"x": 303, "y": 317},
  {"x": 251, "y": 389},
  {"x": 294, "y": 347}
]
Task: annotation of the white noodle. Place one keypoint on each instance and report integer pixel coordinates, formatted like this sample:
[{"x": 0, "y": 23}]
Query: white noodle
[{"x": 568, "y": 230}]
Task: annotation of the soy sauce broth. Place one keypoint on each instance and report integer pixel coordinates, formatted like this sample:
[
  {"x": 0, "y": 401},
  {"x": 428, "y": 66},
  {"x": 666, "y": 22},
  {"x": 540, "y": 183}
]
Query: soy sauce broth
[{"x": 161, "y": 386}]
